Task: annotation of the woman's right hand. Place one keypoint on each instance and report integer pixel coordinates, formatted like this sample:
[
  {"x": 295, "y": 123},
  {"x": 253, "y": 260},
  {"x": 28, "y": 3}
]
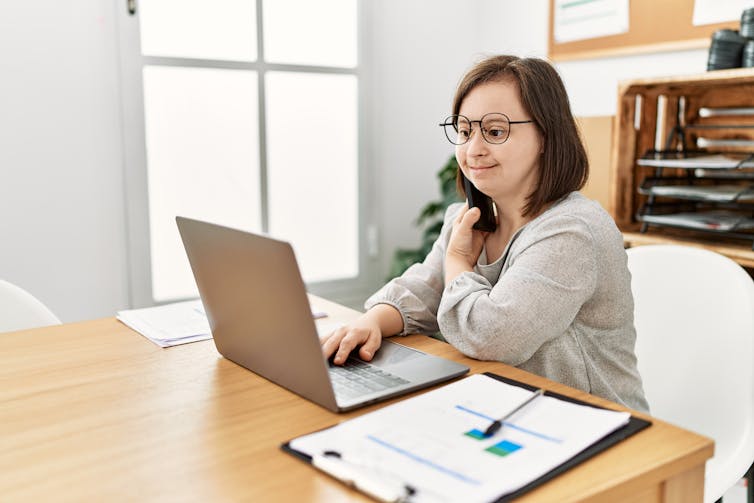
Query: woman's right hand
[
  {"x": 465, "y": 244},
  {"x": 361, "y": 332},
  {"x": 366, "y": 331}
]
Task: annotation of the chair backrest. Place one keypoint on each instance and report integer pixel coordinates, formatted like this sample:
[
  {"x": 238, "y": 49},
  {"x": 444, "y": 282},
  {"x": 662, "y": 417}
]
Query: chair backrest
[
  {"x": 20, "y": 310},
  {"x": 694, "y": 317}
]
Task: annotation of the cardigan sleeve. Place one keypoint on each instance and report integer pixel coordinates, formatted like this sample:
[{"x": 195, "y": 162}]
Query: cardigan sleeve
[{"x": 416, "y": 293}]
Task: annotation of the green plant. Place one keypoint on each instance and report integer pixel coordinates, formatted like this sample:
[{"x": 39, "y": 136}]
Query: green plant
[{"x": 430, "y": 218}]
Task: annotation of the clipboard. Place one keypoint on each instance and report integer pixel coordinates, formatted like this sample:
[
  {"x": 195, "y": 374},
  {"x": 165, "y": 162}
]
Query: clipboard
[{"x": 633, "y": 426}]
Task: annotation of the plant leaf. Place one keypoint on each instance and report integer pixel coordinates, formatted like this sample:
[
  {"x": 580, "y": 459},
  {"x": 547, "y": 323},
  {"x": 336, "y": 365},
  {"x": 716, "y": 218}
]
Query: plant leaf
[{"x": 431, "y": 218}]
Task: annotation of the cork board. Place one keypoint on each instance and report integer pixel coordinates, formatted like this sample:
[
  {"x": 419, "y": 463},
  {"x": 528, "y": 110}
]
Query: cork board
[{"x": 654, "y": 26}]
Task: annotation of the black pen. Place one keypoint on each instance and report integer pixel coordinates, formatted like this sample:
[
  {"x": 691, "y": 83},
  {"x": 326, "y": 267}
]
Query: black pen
[{"x": 492, "y": 429}]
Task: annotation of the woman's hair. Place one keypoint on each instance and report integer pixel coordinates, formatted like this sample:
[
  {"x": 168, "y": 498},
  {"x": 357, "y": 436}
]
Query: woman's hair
[{"x": 564, "y": 166}]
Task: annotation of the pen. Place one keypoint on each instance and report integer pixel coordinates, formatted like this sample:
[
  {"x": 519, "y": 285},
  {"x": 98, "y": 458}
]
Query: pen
[
  {"x": 354, "y": 475},
  {"x": 492, "y": 429}
]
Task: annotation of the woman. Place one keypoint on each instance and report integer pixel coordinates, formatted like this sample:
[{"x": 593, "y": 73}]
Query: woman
[{"x": 548, "y": 290}]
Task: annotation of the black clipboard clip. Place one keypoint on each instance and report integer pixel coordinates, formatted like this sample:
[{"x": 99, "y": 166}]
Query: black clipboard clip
[{"x": 362, "y": 478}]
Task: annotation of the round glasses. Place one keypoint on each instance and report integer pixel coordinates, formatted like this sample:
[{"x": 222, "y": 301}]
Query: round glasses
[{"x": 495, "y": 127}]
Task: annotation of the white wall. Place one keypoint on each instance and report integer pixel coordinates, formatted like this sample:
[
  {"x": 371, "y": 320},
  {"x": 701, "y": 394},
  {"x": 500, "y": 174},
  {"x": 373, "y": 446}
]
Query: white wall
[
  {"x": 592, "y": 84},
  {"x": 61, "y": 192},
  {"x": 418, "y": 50},
  {"x": 62, "y": 220}
]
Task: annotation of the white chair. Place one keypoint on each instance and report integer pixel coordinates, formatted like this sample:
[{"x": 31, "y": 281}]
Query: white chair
[
  {"x": 694, "y": 316},
  {"x": 20, "y": 310}
]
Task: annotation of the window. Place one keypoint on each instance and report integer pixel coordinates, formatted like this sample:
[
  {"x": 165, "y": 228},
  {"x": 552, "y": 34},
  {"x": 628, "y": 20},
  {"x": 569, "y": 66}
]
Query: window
[{"x": 250, "y": 119}]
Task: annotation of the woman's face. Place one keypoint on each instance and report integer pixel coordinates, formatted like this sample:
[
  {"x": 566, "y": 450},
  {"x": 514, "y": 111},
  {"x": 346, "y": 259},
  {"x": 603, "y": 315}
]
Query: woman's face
[{"x": 506, "y": 171}]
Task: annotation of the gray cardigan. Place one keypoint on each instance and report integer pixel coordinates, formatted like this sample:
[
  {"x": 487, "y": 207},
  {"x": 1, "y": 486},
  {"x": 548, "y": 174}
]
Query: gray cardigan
[{"x": 557, "y": 303}]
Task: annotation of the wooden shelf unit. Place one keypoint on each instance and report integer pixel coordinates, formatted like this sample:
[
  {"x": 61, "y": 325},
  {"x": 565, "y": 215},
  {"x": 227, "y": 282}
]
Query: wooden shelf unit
[{"x": 637, "y": 131}]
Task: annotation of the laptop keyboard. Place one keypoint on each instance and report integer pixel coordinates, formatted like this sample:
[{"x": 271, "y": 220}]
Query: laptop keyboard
[{"x": 356, "y": 378}]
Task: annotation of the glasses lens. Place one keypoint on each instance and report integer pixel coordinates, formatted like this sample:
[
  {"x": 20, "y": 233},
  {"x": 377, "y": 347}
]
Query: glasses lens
[
  {"x": 457, "y": 129},
  {"x": 496, "y": 128}
]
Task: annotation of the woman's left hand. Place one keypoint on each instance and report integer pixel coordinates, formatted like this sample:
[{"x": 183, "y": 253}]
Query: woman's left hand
[{"x": 465, "y": 244}]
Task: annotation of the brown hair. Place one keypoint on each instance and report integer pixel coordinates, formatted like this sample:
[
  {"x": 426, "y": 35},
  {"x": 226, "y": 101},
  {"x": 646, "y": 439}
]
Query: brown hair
[{"x": 564, "y": 166}]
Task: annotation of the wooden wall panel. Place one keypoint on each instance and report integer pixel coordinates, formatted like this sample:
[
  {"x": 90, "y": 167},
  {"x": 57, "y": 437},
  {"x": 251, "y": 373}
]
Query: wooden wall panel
[{"x": 597, "y": 133}]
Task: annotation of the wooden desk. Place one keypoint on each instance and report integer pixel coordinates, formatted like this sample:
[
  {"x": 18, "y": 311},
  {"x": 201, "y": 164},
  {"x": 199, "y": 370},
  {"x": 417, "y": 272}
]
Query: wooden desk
[{"x": 92, "y": 411}]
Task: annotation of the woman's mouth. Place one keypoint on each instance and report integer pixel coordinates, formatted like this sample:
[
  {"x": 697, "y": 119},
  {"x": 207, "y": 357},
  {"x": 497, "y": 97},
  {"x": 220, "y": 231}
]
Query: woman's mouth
[{"x": 479, "y": 168}]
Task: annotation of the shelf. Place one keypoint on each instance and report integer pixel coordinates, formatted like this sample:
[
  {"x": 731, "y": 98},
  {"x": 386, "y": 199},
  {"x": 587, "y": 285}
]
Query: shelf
[
  {"x": 726, "y": 112},
  {"x": 704, "y": 193},
  {"x": 711, "y": 161},
  {"x": 663, "y": 184},
  {"x": 708, "y": 221},
  {"x": 725, "y": 142},
  {"x": 734, "y": 76}
]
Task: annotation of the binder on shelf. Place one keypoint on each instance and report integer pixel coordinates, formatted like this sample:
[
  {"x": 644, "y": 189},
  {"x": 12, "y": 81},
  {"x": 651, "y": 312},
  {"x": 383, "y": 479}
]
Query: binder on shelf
[{"x": 433, "y": 447}]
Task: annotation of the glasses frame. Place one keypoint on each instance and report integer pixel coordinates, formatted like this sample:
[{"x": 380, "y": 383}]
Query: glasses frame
[{"x": 449, "y": 122}]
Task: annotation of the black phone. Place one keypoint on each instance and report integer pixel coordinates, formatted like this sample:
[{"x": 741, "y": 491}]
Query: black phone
[{"x": 487, "y": 222}]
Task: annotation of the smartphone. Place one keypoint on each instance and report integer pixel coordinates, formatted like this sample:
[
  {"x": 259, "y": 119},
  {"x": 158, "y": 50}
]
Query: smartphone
[{"x": 487, "y": 222}]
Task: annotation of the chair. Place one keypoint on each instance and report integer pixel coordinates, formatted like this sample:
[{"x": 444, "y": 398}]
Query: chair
[
  {"x": 20, "y": 310},
  {"x": 694, "y": 317}
]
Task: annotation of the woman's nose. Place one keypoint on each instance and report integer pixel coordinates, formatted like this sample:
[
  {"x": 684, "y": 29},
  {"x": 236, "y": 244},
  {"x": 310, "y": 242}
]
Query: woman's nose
[{"x": 476, "y": 144}]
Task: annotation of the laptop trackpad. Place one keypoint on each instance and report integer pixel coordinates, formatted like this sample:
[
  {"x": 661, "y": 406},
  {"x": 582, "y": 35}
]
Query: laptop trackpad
[{"x": 391, "y": 353}]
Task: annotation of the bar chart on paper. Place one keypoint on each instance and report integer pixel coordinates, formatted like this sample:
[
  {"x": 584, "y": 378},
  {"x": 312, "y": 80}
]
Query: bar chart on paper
[
  {"x": 467, "y": 455},
  {"x": 501, "y": 448},
  {"x": 438, "y": 438}
]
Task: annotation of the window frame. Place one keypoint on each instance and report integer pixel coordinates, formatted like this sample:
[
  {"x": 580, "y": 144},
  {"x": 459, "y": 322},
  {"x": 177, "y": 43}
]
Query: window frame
[{"x": 348, "y": 291}]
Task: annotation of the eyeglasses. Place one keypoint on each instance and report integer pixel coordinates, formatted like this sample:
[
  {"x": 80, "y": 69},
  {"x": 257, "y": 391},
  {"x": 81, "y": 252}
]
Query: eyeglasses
[{"x": 495, "y": 127}]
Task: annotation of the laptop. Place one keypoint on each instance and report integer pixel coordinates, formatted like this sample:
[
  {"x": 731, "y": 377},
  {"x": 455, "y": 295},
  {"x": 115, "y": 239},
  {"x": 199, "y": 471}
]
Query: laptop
[{"x": 259, "y": 313}]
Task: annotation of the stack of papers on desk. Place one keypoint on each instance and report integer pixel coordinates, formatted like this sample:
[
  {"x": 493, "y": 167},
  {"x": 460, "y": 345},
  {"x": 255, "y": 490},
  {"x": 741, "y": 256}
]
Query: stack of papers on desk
[
  {"x": 171, "y": 324},
  {"x": 174, "y": 324}
]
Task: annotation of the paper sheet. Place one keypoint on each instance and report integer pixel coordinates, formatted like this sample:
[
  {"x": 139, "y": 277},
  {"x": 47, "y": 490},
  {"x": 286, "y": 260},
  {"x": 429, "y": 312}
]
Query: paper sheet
[
  {"x": 718, "y": 11},
  {"x": 582, "y": 19},
  {"x": 170, "y": 324},
  {"x": 432, "y": 439},
  {"x": 176, "y": 323}
]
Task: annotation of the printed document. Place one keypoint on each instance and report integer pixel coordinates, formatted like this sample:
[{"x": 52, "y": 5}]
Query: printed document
[
  {"x": 434, "y": 442},
  {"x": 176, "y": 323},
  {"x": 171, "y": 324}
]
